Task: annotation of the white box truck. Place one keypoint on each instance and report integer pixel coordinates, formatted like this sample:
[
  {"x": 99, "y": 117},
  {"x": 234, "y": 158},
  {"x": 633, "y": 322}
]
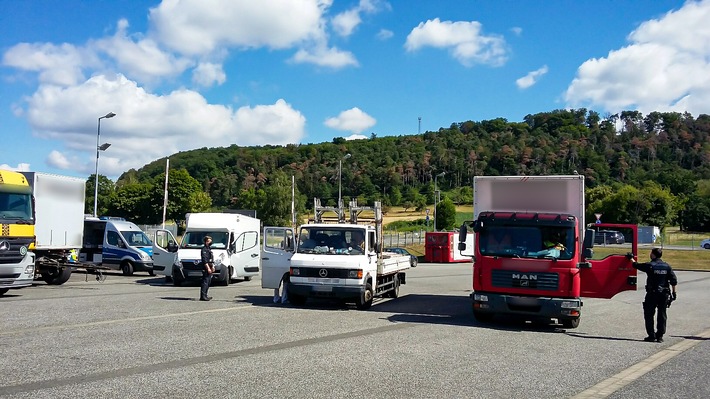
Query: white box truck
[{"x": 42, "y": 217}]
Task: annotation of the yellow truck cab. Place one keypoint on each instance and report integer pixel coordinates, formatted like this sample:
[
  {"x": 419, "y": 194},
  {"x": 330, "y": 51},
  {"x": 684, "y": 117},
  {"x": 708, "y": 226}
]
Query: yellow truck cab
[{"x": 17, "y": 234}]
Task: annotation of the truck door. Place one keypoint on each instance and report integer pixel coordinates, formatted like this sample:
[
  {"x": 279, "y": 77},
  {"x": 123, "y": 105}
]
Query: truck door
[
  {"x": 609, "y": 272},
  {"x": 164, "y": 252},
  {"x": 276, "y": 253}
]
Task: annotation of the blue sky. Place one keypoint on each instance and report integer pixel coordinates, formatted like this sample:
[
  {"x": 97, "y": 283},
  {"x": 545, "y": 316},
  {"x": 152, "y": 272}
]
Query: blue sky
[{"x": 189, "y": 74}]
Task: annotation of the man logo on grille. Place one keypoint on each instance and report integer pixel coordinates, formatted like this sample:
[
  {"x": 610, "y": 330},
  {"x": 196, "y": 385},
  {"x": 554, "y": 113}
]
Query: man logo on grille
[{"x": 323, "y": 272}]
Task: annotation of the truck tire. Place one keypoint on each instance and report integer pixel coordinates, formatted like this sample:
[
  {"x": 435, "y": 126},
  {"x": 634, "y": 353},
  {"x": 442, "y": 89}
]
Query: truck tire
[
  {"x": 4, "y": 291},
  {"x": 56, "y": 276},
  {"x": 483, "y": 317},
  {"x": 177, "y": 278},
  {"x": 227, "y": 278},
  {"x": 298, "y": 300},
  {"x": 394, "y": 293},
  {"x": 365, "y": 300},
  {"x": 127, "y": 268},
  {"x": 570, "y": 323}
]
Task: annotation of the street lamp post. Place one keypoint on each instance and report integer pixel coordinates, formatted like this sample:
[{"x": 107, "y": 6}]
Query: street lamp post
[
  {"x": 101, "y": 147},
  {"x": 436, "y": 195},
  {"x": 340, "y": 180}
]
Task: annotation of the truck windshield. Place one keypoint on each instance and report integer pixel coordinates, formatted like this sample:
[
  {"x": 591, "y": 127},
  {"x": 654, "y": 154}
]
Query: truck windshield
[
  {"x": 195, "y": 239},
  {"x": 136, "y": 238},
  {"x": 16, "y": 208},
  {"x": 331, "y": 240},
  {"x": 551, "y": 242}
]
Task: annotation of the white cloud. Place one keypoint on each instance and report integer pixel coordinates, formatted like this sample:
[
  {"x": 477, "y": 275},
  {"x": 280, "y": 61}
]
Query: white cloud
[
  {"x": 325, "y": 57},
  {"x": 21, "y": 167},
  {"x": 531, "y": 78},
  {"x": 141, "y": 59},
  {"x": 58, "y": 160},
  {"x": 384, "y": 34},
  {"x": 463, "y": 39},
  {"x": 356, "y": 137},
  {"x": 207, "y": 74},
  {"x": 193, "y": 27},
  {"x": 665, "y": 67},
  {"x": 56, "y": 64},
  {"x": 347, "y": 21},
  {"x": 353, "y": 120},
  {"x": 148, "y": 126},
  {"x": 517, "y": 31}
]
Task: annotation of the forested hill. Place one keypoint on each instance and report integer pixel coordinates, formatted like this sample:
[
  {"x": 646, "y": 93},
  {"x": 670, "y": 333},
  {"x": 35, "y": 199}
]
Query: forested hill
[{"x": 669, "y": 148}]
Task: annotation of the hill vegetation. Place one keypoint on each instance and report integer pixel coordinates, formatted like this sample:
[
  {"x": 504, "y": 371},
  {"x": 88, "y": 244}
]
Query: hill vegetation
[{"x": 649, "y": 169}]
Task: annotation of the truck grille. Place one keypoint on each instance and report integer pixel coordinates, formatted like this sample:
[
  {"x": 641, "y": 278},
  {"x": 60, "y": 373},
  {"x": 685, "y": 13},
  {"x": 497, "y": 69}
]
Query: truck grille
[
  {"x": 191, "y": 265},
  {"x": 323, "y": 272},
  {"x": 533, "y": 280},
  {"x": 12, "y": 253}
]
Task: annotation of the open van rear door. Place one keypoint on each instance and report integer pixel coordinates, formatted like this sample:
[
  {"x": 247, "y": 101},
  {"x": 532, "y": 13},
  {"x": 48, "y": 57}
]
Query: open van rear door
[{"x": 610, "y": 272}]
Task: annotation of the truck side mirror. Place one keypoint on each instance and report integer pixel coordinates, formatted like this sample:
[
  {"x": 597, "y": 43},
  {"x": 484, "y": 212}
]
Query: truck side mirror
[
  {"x": 588, "y": 253},
  {"x": 462, "y": 235},
  {"x": 477, "y": 226},
  {"x": 462, "y": 246},
  {"x": 172, "y": 246},
  {"x": 588, "y": 239}
]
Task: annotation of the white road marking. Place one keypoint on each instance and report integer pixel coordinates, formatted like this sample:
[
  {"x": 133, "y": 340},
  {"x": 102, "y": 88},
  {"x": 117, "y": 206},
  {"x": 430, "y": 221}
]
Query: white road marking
[{"x": 631, "y": 374}]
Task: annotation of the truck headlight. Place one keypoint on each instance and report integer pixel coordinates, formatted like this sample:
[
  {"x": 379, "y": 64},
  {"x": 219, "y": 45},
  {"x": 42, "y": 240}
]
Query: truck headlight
[
  {"x": 30, "y": 269},
  {"x": 357, "y": 273},
  {"x": 145, "y": 256},
  {"x": 480, "y": 297},
  {"x": 295, "y": 271},
  {"x": 569, "y": 304}
]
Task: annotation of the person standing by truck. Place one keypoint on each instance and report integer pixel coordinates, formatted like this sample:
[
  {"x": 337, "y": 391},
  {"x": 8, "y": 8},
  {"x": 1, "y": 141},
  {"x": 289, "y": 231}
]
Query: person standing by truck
[
  {"x": 207, "y": 262},
  {"x": 660, "y": 288}
]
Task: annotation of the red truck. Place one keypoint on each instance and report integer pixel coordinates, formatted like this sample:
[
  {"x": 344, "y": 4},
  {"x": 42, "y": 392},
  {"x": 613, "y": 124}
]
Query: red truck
[{"x": 533, "y": 254}]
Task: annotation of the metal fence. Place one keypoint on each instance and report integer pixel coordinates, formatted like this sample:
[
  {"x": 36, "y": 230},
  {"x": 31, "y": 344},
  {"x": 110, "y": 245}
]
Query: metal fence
[
  {"x": 403, "y": 238},
  {"x": 150, "y": 229}
]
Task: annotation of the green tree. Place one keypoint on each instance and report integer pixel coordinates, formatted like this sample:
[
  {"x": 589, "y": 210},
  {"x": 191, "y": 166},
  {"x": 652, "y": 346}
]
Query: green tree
[
  {"x": 107, "y": 190},
  {"x": 445, "y": 214},
  {"x": 185, "y": 195},
  {"x": 133, "y": 202}
]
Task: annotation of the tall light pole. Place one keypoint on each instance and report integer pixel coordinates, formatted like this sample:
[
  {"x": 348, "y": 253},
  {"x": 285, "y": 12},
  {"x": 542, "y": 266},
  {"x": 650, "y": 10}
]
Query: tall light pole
[
  {"x": 436, "y": 195},
  {"x": 340, "y": 180},
  {"x": 101, "y": 147}
]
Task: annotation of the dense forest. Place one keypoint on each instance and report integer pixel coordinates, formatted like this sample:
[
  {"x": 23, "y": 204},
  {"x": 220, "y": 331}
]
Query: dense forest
[{"x": 656, "y": 165}]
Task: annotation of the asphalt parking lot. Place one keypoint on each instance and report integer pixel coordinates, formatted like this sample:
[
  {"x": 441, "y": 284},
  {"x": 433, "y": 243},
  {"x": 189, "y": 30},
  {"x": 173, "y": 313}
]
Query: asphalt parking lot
[{"x": 140, "y": 337}]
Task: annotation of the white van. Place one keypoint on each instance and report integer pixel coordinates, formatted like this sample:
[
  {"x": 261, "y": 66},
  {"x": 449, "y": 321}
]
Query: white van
[
  {"x": 235, "y": 247},
  {"x": 118, "y": 245}
]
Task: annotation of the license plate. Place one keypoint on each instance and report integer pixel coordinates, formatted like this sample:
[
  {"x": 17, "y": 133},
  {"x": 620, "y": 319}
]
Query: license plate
[
  {"x": 194, "y": 274},
  {"x": 322, "y": 288}
]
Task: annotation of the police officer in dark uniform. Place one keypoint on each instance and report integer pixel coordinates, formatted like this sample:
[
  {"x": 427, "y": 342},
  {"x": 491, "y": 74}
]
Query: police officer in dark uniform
[
  {"x": 660, "y": 288},
  {"x": 207, "y": 263}
]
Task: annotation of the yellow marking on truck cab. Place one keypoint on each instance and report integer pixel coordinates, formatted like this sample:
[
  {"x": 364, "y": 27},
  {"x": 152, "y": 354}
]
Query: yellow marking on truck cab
[
  {"x": 18, "y": 230},
  {"x": 14, "y": 178}
]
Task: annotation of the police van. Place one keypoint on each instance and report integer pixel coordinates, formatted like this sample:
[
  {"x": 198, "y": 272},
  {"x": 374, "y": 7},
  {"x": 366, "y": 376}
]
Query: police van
[{"x": 116, "y": 244}]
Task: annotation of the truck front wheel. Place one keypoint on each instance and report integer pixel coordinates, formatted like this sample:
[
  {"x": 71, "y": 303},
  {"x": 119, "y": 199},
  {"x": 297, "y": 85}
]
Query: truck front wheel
[
  {"x": 570, "y": 323},
  {"x": 483, "y": 317},
  {"x": 298, "y": 300},
  {"x": 56, "y": 276},
  {"x": 127, "y": 268},
  {"x": 365, "y": 300}
]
